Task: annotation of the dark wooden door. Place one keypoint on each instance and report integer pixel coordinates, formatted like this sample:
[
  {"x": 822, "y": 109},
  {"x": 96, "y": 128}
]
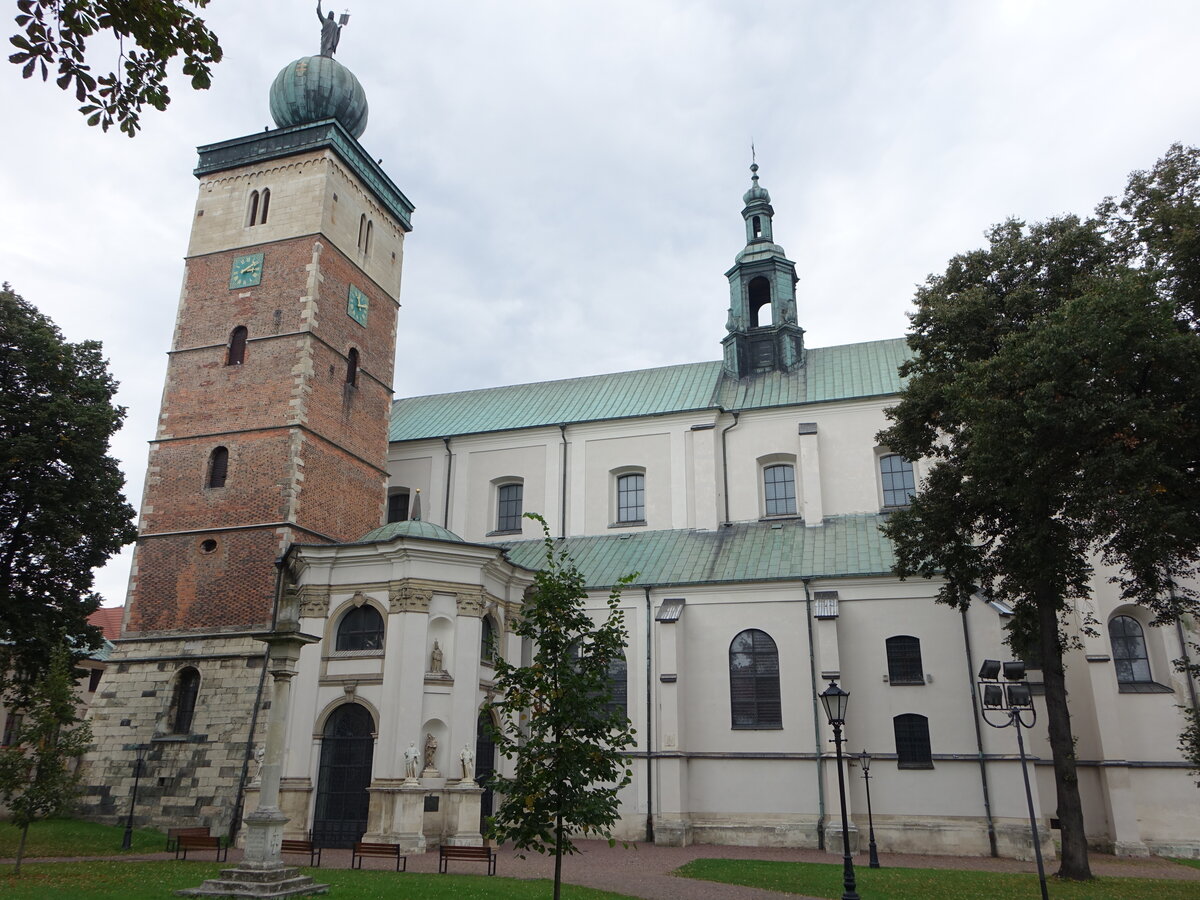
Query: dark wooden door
[{"x": 347, "y": 748}]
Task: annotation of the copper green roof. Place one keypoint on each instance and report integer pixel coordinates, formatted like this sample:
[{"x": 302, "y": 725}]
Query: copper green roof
[
  {"x": 829, "y": 373},
  {"x": 744, "y": 552}
]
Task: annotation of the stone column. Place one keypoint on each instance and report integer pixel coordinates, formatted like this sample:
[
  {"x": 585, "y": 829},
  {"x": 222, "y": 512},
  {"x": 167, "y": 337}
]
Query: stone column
[
  {"x": 264, "y": 826},
  {"x": 261, "y": 872}
]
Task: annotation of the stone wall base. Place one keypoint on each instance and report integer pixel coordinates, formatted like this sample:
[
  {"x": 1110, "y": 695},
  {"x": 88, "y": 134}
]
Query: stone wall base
[{"x": 190, "y": 778}]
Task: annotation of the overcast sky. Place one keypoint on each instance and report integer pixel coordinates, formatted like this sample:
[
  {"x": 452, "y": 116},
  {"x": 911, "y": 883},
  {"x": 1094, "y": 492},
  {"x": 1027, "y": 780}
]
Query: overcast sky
[{"x": 577, "y": 167}]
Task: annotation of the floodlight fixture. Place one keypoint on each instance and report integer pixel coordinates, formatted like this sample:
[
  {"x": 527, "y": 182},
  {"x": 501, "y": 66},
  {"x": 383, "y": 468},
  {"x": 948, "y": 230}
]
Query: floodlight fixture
[{"x": 990, "y": 670}]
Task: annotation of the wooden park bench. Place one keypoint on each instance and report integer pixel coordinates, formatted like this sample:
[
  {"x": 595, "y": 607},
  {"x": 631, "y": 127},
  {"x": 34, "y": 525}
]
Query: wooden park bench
[
  {"x": 301, "y": 847},
  {"x": 471, "y": 854},
  {"x": 174, "y": 833},
  {"x": 186, "y": 842},
  {"x": 387, "y": 851}
]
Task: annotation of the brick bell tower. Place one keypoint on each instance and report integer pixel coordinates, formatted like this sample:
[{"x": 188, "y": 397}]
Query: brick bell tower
[{"x": 273, "y": 431}]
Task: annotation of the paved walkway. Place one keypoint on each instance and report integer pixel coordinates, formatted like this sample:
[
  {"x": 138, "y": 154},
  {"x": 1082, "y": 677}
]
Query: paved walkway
[{"x": 644, "y": 871}]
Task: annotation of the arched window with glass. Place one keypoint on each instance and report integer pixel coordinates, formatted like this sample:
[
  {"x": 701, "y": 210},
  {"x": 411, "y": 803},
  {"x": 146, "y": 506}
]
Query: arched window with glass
[
  {"x": 779, "y": 490},
  {"x": 899, "y": 482},
  {"x": 631, "y": 497},
  {"x": 754, "y": 681},
  {"x": 1130, "y": 658}
]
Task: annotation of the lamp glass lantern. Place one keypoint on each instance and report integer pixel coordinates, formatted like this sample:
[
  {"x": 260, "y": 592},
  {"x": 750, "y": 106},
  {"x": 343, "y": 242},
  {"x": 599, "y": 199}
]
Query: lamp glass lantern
[{"x": 835, "y": 700}]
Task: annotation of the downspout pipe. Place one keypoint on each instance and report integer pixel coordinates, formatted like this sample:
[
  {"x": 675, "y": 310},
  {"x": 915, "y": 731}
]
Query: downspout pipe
[
  {"x": 562, "y": 532},
  {"x": 987, "y": 800},
  {"x": 449, "y": 467},
  {"x": 649, "y": 719},
  {"x": 816, "y": 713},
  {"x": 725, "y": 464},
  {"x": 240, "y": 798}
]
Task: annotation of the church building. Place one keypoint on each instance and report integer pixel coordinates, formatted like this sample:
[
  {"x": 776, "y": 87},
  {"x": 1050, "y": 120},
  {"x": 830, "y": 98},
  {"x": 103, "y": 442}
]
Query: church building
[{"x": 746, "y": 492}]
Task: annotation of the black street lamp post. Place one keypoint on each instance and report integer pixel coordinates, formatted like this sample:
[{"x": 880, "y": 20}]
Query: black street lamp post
[
  {"x": 127, "y": 840},
  {"x": 864, "y": 760},
  {"x": 1012, "y": 702},
  {"x": 834, "y": 699}
]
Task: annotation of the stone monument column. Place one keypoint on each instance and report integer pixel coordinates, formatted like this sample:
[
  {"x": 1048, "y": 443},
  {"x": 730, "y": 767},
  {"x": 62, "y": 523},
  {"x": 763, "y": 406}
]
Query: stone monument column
[{"x": 262, "y": 873}]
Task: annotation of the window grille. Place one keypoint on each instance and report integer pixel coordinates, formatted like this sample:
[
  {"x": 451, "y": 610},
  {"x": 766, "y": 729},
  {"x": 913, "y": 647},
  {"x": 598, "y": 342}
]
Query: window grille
[
  {"x": 1129, "y": 650},
  {"x": 631, "y": 498},
  {"x": 779, "y": 489},
  {"x": 912, "y": 742},
  {"x": 899, "y": 483},
  {"x": 361, "y": 629},
  {"x": 508, "y": 507},
  {"x": 904, "y": 660}
]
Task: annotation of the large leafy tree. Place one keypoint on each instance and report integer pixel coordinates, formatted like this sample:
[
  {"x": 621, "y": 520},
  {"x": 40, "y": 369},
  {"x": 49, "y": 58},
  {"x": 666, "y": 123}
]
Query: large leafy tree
[
  {"x": 149, "y": 34},
  {"x": 1056, "y": 388},
  {"x": 38, "y": 773},
  {"x": 62, "y": 513},
  {"x": 558, "y": 721}
]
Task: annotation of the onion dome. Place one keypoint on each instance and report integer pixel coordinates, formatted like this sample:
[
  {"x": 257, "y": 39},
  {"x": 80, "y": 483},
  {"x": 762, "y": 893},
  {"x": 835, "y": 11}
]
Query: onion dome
[
  {"x": 314, "y": 88},
  {"x": 757, "y": 193}
]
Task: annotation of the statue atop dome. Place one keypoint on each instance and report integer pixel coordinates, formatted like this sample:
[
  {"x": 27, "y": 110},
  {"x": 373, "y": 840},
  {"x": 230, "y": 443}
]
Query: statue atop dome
[{"x": 331, "y": 31}]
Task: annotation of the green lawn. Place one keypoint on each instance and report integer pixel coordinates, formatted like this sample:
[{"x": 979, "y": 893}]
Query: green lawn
[
  {"x": 825, "y": 880},
  {"x": 1194, "y": 863},
  {"x": 115, "y": 879},
  {"x": 70, "y": 837}
]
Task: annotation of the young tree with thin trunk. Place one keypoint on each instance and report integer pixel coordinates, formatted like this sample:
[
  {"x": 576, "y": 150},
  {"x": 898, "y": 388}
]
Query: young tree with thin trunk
[
  {"x": 38, "y": 775},
  {"x": 1056, "y": 391},
  {"x": 557, "y": 717}
]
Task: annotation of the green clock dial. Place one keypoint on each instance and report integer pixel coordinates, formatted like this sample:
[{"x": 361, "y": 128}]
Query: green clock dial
[
  {"x": 246, "y": 271},
  {"x": 356, "y": 305}
]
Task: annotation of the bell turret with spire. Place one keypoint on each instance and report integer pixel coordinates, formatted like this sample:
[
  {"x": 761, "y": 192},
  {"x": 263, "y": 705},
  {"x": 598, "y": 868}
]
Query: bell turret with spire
[{"x": 762, "y": 334}]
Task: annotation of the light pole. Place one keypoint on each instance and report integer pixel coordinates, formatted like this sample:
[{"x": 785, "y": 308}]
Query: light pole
[
  {"x": 1012, "y": 701},
  {"x": 834, "y": 699},
  {"x": 864, "y": 760},
  {"x": 127, "y": 839}
]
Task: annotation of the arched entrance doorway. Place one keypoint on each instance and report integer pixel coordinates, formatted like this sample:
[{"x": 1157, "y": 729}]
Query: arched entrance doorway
[
  {"x": 485, "y": 765},
  {"x": 347, "y": 747}
]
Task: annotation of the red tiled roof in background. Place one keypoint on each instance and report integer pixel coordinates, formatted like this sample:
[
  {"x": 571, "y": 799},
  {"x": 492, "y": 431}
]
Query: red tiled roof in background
[{"x": 108, "y": 620}]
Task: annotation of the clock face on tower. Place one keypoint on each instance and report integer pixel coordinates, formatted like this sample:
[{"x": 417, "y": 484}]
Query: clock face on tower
[
  {"x": 246, "y": 271},
  {"x": 356, "y": 306}
]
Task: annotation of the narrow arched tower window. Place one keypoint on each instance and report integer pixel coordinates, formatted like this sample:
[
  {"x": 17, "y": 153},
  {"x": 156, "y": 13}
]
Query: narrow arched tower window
[
  {"x": 237, "y": 347},
  {"x": 362, "y": 229},
  {"x": 183, "y": 700},
  {"x": 352, "y": 367},
  {"x": 252, "y": 212},
  {"x": 367, "y": 240},
  {"x": 266, "y": 206},
  {"x": 759, "y": 297},
  {"x": 218, "y": 467},
  {"x": 757, "y": 226}
]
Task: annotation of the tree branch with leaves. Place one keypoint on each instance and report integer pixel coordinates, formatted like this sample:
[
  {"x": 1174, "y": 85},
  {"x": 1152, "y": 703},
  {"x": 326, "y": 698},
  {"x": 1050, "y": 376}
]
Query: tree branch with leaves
[{"x": 54, "y": 38}]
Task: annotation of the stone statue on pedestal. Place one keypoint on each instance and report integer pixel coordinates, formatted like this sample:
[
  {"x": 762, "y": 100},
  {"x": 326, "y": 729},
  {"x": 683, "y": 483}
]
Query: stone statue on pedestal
[
  {"x": 430, "y": 753},
  {"x": 468, "y": 763},
  {"x": 412, "y": 760}
]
